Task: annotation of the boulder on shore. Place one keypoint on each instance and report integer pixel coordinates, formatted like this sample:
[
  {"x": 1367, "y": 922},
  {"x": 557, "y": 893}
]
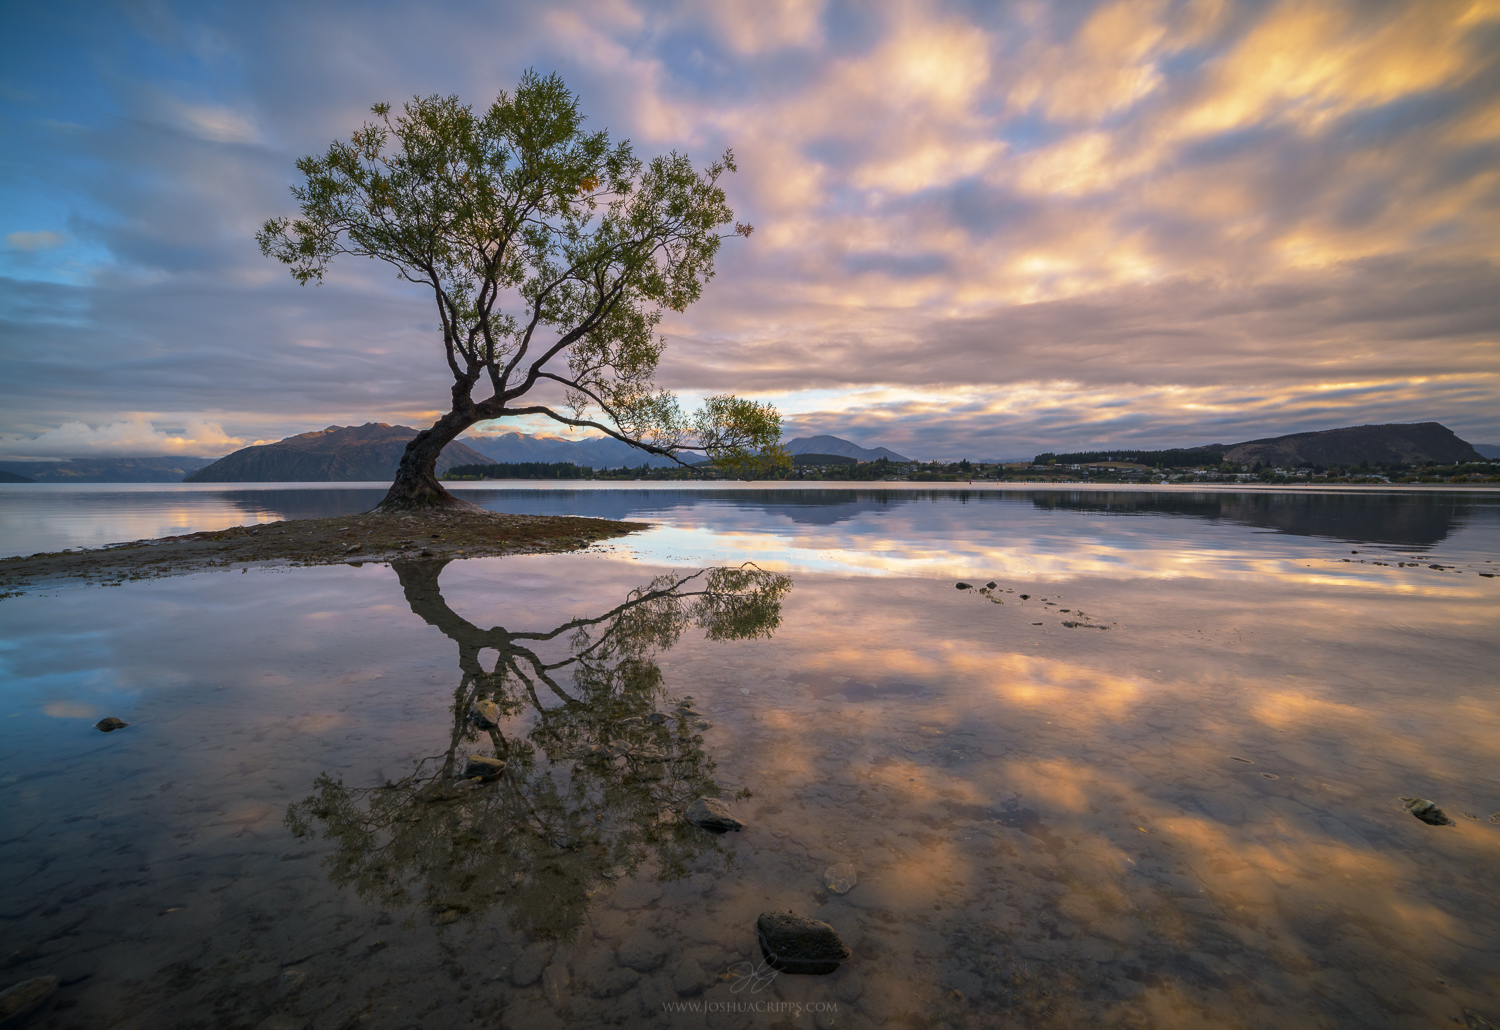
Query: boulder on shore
[{"x": 797, "y": 944}]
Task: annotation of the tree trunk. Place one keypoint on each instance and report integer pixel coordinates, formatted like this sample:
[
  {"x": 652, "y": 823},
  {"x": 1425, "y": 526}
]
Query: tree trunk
[{"x": 416, "y": 485}]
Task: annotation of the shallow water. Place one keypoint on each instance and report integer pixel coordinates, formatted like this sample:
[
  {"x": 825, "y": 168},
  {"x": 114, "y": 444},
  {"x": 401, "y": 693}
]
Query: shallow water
[{"x": 1180, "y": 810}]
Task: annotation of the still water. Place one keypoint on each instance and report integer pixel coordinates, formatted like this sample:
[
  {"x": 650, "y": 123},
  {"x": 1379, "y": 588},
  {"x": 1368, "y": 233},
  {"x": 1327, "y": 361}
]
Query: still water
[{"x": 1151, "y": 778}]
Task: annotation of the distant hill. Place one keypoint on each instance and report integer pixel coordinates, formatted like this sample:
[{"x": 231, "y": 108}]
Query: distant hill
[
  {"x": 11, "y": 477},
  {"x": 1488, "y": 450},
  {"x": 106, "y": 470},
  {"x": 1395, "y": 444},
  {"x": 338, "y": 454},
  {"x": 836, "y": 445},
  {"x": 600, "y": 453}
]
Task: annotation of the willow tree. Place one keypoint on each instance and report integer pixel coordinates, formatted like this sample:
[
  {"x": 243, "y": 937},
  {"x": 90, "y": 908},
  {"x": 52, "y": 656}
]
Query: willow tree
[{"x": 550, "y": 254}]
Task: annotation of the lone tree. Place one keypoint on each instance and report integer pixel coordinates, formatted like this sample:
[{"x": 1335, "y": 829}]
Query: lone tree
[{"x": 550, "y": 253}]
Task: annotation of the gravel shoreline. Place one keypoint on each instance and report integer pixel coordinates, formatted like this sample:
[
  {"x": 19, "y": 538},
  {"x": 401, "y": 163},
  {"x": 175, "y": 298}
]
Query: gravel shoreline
[{"x": 341, "y": 540}]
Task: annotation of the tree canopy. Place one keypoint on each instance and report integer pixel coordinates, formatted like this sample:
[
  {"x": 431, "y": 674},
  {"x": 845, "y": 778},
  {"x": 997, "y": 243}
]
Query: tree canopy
[{"x": 550, "y": 253}]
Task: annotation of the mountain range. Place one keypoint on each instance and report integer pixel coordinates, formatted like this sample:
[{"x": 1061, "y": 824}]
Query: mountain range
[
  {"x": 338, "y": 454},
  {"x": 607, "y": 453},
  {"x": 370, "y": 453},
  {"x": 106, "y": 470},
  {"x": 600, "y": 453},
  {"x": 843, "y": 448}
]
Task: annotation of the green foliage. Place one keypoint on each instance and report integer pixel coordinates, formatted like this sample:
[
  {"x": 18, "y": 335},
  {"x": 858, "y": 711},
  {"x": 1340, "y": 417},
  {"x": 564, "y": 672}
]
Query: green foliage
[
  {"x": 850, "y": 470},
  {"x": 550, "y": 253},
  {"x": 742, "y": 437}
]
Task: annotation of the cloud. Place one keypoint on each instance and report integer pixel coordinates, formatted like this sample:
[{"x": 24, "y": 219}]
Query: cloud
[
  {"x": 133, "y": 438},
  {"x": 210, "y": 121},
  {"x": 34, "y": 240},
  {"x": 754, "y": 26},
  {"x": 1119, "y": 218}
]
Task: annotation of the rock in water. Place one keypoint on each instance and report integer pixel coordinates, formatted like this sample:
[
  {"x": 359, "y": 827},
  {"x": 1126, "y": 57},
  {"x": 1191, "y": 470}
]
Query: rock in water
[
  {"x": 1426, "y": 811},
  {"x": 485, "y": 714},
  {"x": 109, "y": 725},
  {"x": 24, "y": 997},
  {"x": 484, "y": 767},
  {"x": 797, "y": 944},
  {"x": 711, "y": 814},
  {"x": 841, "y": 878}
]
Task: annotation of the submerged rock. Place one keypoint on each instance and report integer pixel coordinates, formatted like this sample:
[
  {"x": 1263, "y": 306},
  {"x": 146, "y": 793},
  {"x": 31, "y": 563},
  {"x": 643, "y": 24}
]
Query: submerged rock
[
  {"x": 484, "y": 767},
  {"x": 690, "y": 977},
  {"x": 1426, "y": 811},
  {"x": 644, "y": 952},
  {"x": 840, "y": 878},
  {"x": 712, "y": 814},
  {"x": 485, "y": 714},
  {"x": 797, "y": 944},
  {"x": 110, "y": 725},
  {"x": 24, "y": 997},
  {"x": 527, "y": 968},
  {"x": 656, "y": 719}
]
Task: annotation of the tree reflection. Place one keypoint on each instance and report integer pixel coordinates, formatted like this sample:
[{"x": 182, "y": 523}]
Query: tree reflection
[{"x": 593, "y": 788}]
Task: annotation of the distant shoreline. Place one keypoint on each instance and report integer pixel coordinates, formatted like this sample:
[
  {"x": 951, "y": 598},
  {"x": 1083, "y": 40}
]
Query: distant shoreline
[{"x": 782, "y": 485}]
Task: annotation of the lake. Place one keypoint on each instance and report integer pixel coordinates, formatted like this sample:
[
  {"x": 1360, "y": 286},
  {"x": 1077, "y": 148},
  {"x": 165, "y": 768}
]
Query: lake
[{"x": 1144, "y": 768}]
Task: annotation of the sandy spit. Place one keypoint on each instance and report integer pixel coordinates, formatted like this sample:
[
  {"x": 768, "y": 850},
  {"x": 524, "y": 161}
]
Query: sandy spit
[{"x": 343, "y": 540}]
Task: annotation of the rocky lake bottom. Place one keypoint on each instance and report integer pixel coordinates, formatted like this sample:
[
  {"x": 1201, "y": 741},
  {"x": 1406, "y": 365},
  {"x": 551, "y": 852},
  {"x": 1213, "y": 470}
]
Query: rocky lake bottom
[{"x": 1144, "y": 768}]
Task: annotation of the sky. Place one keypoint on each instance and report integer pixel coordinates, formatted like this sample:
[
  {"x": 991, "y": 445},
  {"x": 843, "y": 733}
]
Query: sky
[{"x": 982, "y": 229}]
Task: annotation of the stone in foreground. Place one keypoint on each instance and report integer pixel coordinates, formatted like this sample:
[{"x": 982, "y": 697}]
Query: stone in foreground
[
  {"x": 485, "y": 714},
  {"x": 1426, "y": 811},
  {"x": 711, "y": 814},
  {"x": 840, "y": 878},
  {"x": 484, "y": 767},
  {"x": 110, "y": 725},
  {"x": 797, "y": 944},
  {"x": 24, "y": 997}
]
